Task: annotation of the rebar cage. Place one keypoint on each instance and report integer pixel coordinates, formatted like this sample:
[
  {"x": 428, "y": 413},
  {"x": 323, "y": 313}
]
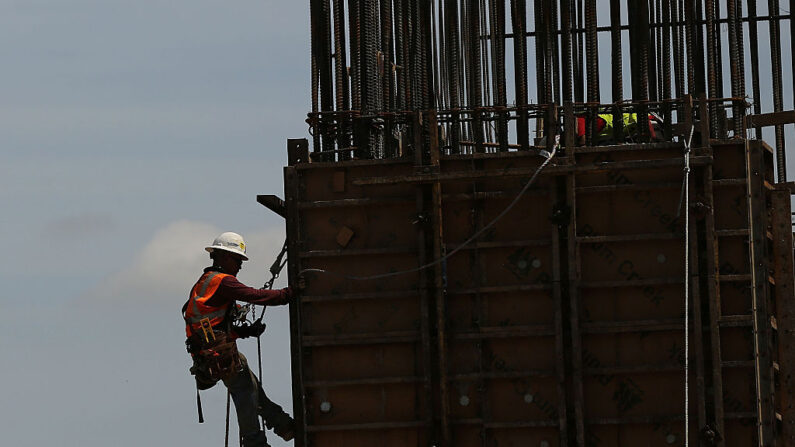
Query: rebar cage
[{"x": 375, "y": 61}]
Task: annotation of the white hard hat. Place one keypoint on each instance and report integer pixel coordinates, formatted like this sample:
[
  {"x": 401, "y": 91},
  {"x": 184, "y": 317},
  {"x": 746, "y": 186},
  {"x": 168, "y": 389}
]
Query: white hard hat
[{"x": 231, "y": 242}]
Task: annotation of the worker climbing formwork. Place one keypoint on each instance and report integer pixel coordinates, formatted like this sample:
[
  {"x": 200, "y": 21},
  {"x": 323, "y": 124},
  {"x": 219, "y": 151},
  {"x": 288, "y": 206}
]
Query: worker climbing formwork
[{"x": 212, "y": 324}]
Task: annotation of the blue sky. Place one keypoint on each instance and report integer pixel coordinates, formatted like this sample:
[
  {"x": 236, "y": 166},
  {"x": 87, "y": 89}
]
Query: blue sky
[{"x": 132, "y": 133}]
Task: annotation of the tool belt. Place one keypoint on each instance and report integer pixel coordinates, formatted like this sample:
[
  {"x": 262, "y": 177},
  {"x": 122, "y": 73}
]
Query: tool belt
[{"x": 215, "y": 356}]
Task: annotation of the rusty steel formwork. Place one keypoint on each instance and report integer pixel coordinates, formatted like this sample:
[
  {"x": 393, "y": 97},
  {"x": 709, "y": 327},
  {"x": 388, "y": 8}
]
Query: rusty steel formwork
[
  {"x": 455, "y": 294},
  {"x": 562, "y": 324}
]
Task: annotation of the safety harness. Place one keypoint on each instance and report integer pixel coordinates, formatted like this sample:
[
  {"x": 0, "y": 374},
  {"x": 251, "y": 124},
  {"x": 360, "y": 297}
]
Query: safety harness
[{"x": 214, "y": 351}]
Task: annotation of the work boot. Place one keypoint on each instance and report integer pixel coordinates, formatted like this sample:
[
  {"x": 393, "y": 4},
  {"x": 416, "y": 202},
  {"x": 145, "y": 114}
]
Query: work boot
[
  {"x": 283, "y": 425},
  {"x": 256, "y": 439}
]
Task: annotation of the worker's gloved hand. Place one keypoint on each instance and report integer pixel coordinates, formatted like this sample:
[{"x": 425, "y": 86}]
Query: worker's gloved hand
[
  {"x": 257, "y": 328},
  {"x": 250, "y": 330},
  {"x": 286, "y": 295}
]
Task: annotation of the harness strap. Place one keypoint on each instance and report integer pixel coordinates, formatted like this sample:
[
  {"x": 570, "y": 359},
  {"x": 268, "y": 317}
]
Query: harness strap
[{"x": 211, "y": 315}]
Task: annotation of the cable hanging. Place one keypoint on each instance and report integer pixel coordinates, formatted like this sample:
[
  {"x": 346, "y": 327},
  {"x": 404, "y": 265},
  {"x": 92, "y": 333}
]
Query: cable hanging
[
  {"x": 685, "y": 198},
  {"x": 444, "y": 258}
]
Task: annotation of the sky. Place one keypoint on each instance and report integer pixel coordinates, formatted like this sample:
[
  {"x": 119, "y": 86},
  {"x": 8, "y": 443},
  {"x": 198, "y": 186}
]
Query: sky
[{"x": 132, "y": 133}]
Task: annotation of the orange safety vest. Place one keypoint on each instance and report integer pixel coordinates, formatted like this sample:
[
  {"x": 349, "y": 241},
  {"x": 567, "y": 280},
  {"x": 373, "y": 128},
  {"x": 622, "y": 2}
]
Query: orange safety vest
[{"x": 196, "y": 309}]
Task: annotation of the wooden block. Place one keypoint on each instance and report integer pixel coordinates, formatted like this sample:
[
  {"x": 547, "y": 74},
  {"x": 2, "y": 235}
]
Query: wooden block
[{"x": 344, "y": 236}]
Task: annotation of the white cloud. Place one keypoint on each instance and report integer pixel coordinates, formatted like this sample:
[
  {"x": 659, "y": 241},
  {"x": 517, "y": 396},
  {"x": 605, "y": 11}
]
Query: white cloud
[{"x": 171, "y": 261}]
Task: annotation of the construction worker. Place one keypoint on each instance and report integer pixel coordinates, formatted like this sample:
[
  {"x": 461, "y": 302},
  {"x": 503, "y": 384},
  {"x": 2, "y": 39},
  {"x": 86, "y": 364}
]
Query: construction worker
[
  {"x": 603, "y": 123},
  {"x": 208, "y": 314}
]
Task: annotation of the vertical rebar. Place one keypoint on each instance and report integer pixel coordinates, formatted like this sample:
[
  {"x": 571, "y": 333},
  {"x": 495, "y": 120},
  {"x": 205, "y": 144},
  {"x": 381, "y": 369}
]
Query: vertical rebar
[
  {"x": 701, "y": 83},
  {"x": 775, "y": 56},
  {"x": 592, "y": 67},
  {"x": 712, "y": 66},
  {"x": 315, "y": 36},
  {"x": 371, "y": 95},
  {"x": 679, "y": 47},
  {"x": 617, "y": 68},
  {"x": 639, "y": 37},
  {"x": 550, "y": 33},
  {"x": 565, "y": 20},
  {"x": 518, "y": 19},
  {"x": 355, "y": 45},
  {"x": 656, "y": 13},
  {"x": 475, "y": 90},
  {"x": 400, "y": 56},
  {"x": 540, "y": 46},
  {"x": 462, "y": 53},
  {"x": 651, "y": 60},
  {"x": 740, "y": 50},
  {"x": 387, "y": 54},
  {"x": 498, "y": 44},
  {"x": 341, "y": 79},
  {"x": 340, "y": 64},
  {"x": 451, "y": 13},
  {"x": 439, "y": 54},
  {"x": 690, "y": 41},
  {"x": 666, "y": 49},
  {"x": 487, "y": 67},
  {"x": 719, "y": 49},
  {"x": 792, "y": 44},
  {"x": 555, "y": 50},
  {"x": 734, "y": 59},
  {"x": 579, "y": 68},
  {"x": 639, "y": 50},
  {"x": 324, "y": 65},
  {"x": 417, "y": 62},
  {"x": 411, "y": 54},
  {"x": 428, "y": 95}
]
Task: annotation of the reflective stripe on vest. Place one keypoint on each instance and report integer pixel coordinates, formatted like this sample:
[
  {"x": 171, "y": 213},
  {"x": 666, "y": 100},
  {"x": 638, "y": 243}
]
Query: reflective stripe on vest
[
  {"x": 604, "y": 125},
  {"x": 197, "y": 309},
  {"x": 630, "y": 123}
]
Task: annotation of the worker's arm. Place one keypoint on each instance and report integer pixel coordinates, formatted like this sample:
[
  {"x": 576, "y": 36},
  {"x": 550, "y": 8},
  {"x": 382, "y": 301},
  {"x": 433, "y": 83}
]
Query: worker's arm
[{"x": 231, "y": 290}]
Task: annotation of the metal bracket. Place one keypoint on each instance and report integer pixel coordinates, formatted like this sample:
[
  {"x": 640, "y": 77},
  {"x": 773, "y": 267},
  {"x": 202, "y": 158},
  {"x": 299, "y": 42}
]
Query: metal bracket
[
  {"x": 273, "y": 203},
  {"x": 297, "y": 151}
]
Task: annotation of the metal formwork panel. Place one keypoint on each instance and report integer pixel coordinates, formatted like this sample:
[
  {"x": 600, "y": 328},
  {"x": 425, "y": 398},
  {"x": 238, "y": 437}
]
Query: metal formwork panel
[
  {"x": 629, "y": 251},
  {"x": 562, "y": 324},
  {"x": 358, "y": 346},
  {"x": 503, "y": 307}
]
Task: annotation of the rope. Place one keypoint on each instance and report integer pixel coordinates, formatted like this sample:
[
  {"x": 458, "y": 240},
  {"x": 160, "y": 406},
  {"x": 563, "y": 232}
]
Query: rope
[
  {"x": 686, "y": 199},
  {"x": 275, "y": 269},
  {"x": 226, "y": 436},
  {"x": 444, "y": 258},
  {"x": 259, "y": 361}
]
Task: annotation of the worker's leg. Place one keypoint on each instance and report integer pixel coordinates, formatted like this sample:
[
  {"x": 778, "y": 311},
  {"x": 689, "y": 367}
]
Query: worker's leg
[
  {"x": 275, "y": 418},
  {"x": 244, "y": 389}
]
